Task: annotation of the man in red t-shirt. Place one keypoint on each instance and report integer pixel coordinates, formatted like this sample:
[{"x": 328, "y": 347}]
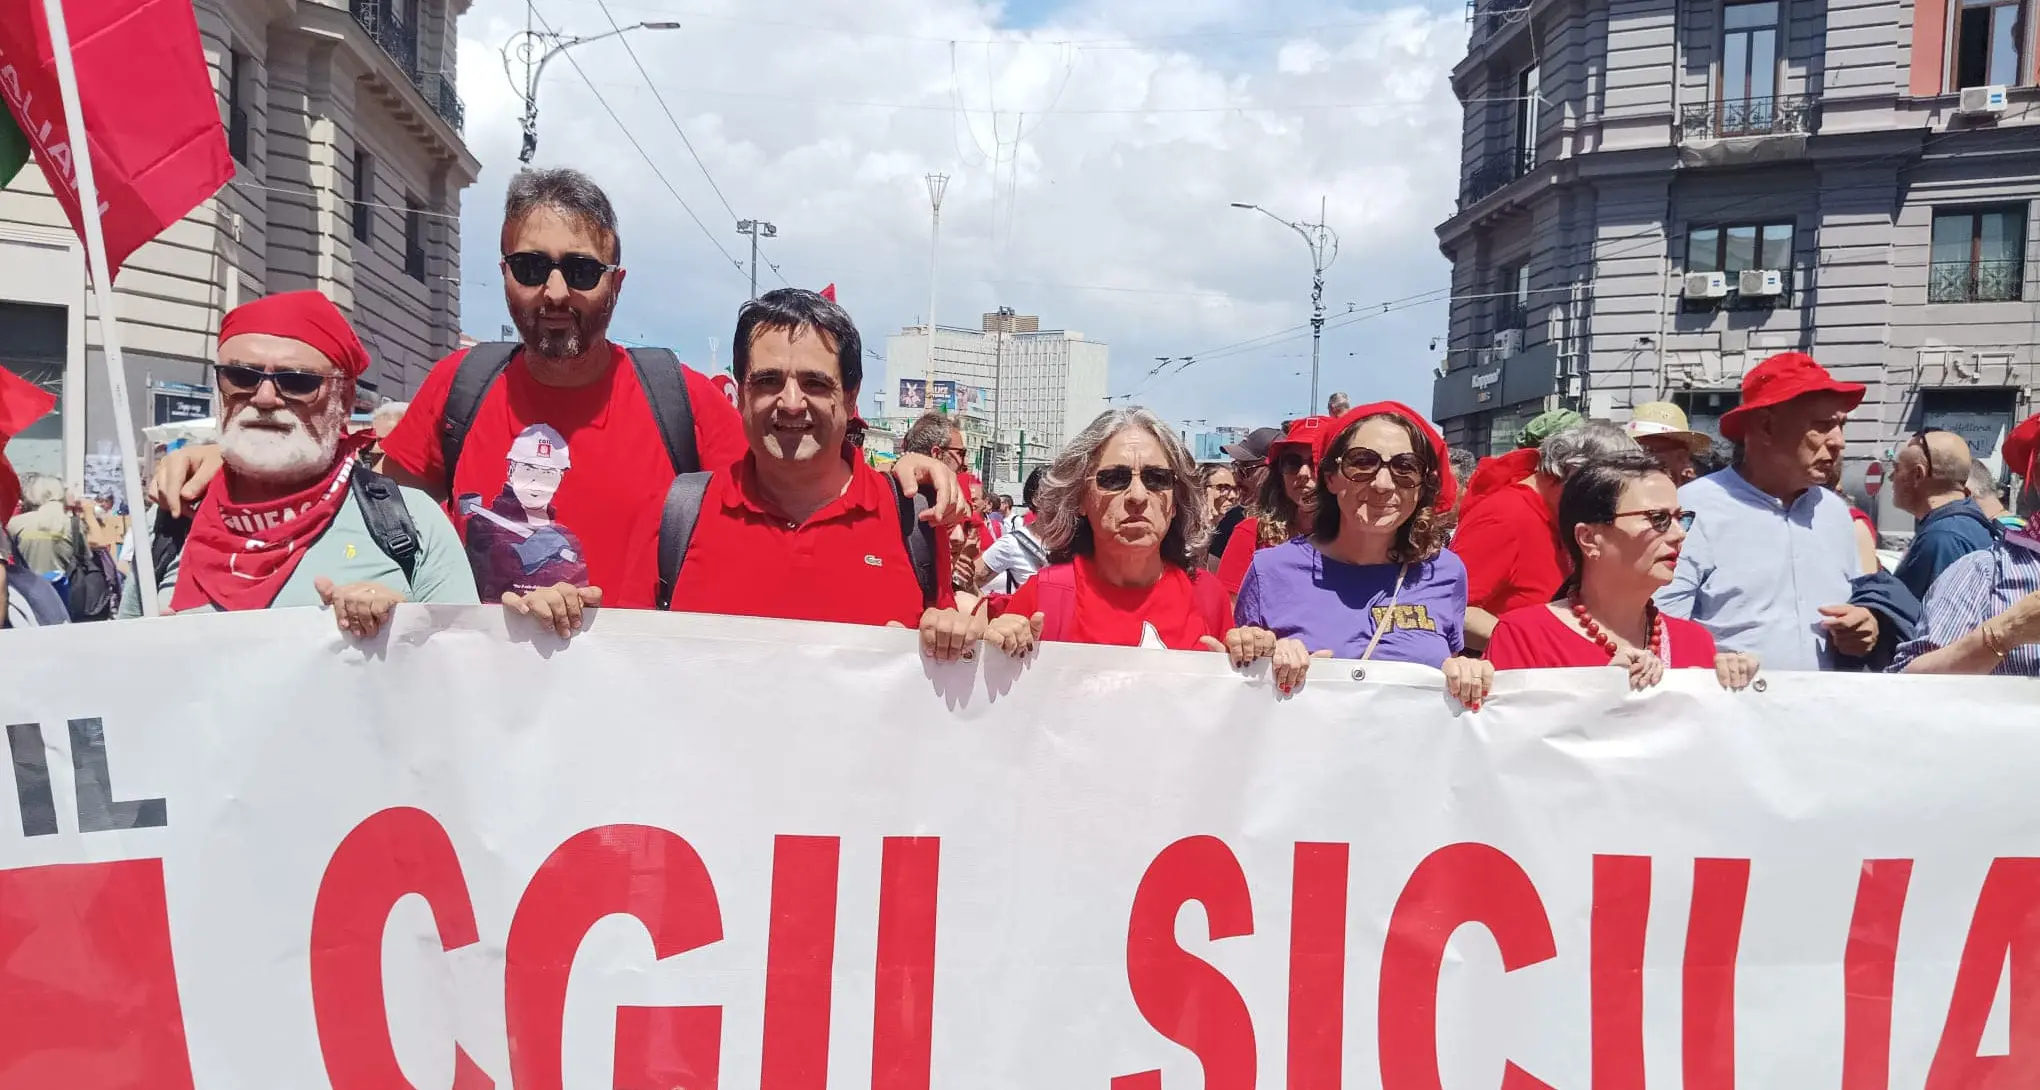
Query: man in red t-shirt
[
  {"x": 800, "y": 527},
  {"x": 1508, "y": 524}
]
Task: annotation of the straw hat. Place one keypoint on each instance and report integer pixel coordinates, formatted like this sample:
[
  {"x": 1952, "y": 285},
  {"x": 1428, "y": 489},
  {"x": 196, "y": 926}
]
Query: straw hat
[{"x": 1664, "y": 418}]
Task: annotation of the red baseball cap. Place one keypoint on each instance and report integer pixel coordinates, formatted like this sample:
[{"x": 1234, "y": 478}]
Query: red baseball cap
[
  {"x": 1448, "y": 485},
  {"x": 2022, "y": 448},
  {"x": 1305, "y": 433},
  {"x": 1782, "y": 378}
]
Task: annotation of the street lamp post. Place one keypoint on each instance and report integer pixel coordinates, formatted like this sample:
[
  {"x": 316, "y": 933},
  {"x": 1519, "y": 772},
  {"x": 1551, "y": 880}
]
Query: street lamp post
[
  {"x": 1324, "y": 249},
  {"x": 756, "y": 229},
  {"x": 535, "y": 48}
]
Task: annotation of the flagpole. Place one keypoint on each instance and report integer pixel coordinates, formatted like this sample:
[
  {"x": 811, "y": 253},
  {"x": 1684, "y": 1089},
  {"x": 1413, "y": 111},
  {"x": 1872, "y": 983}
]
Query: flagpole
[{"x": 102, "y": 293}]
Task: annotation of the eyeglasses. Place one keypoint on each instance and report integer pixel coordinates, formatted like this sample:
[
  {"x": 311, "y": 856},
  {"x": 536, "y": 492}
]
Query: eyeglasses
[
  {"x": 533, "y": 269},
  {"x": 1225, "y": 489},
  {"x": 1661, "y": 518},
  {"x": 958, "y": 453},
  {"x": 1360, "y": 464},
  {"x": 1152, "y": 478},
  {"x": 235, "y": 378},
  {"x": 1290, "y": 463}
]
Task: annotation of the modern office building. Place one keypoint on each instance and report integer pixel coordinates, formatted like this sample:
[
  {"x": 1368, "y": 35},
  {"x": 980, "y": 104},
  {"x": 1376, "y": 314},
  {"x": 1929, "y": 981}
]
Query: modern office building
[
  {"x": 1656, "y": 195},
  {"x": 349, "y": 164},
  {"x": 1052, "y": 382}
]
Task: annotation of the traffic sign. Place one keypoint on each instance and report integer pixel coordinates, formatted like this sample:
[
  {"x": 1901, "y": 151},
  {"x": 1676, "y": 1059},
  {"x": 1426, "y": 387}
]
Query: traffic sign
[{"x": 1873, "y": 478}]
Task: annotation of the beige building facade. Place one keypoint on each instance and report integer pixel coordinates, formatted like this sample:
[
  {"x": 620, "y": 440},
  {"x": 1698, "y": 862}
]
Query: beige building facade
[{"x": 349, "y": 167}]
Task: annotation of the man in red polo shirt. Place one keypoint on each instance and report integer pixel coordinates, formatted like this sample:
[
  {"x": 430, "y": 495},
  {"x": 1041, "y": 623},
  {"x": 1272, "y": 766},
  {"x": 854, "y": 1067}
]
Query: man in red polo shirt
[
  {"x": 800, "y": 527},
  {"x": 1508, "y": 528}
]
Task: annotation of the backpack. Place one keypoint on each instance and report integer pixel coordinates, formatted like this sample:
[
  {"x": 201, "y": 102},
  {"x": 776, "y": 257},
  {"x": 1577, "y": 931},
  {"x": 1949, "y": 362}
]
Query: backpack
[
  {"x": 659, "y": 374},
  {"x": 382, "y": 508},
  {"x": 92, "y": 582},
  {"x": 32, "y": 601},
  {"x": 683, "y": 510}
]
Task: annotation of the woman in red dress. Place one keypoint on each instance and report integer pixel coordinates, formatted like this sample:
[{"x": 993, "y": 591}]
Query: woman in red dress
[{"x": 1622, "y": 525}]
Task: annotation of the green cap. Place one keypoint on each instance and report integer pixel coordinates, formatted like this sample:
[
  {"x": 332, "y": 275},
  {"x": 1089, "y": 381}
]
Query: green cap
[{"x": 1545, "y": 425}]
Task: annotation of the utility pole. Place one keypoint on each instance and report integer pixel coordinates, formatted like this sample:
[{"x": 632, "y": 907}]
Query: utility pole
[
  {"x": 1005, "y": 322},
  {"x": 938, "y": 184},
  {"x": 1324, "y": 249},
  {"x": 536, "y": 47},
  {"x": 756, "y": 229}
]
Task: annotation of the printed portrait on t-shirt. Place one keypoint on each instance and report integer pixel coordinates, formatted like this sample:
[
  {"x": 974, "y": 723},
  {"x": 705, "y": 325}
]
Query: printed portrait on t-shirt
[{"x": 516, "y": 543}]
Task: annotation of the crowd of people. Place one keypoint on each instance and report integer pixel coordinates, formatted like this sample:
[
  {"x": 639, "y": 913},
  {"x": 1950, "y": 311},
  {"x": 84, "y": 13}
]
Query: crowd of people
[{"x": 564, "y": 472}]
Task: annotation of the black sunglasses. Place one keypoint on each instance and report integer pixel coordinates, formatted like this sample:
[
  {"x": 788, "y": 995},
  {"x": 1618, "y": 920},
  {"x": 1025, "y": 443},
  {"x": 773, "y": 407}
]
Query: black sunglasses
[
  {"x": 533, "y": 269},
  {"x": 1152, "y": 478},
  {"x": 1360, "y": 464},
  {"x": 1661, "y": 519},
  {"x": 237, "y": 378}
]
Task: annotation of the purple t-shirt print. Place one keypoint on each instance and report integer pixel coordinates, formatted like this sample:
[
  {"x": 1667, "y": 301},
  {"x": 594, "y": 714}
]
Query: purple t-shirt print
[{"x": 1297, "y": 592}]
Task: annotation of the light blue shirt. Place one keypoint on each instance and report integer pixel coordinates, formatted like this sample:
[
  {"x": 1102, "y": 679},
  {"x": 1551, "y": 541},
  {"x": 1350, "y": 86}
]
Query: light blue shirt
[
  {"x": 1972, "y": 590},
  {"x": 1756, "y": 572}
]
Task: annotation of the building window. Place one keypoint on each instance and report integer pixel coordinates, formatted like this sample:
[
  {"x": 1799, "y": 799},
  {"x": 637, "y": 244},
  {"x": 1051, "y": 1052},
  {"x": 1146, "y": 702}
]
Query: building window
[
  {"x": 1749, "y": 64},
  {"x": 414, "y": 238},
  {"x": 1512, "y": 298},
  {"x": 237, "y": 108},
  {"x": 1990, "y": 37},
  {"x": 1979, "y": 256},
  {"x": 1526, "y": 120},
  {"x": 1732, "y": 248},
  {"x": 364, "y": 195}
]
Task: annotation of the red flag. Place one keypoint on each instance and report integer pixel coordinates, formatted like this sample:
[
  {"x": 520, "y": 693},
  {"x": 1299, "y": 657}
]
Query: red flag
[
  {"x": 829, "y": 292},
  {"x": 21, "y": 403},
  {"x": 158, "y": 146}
]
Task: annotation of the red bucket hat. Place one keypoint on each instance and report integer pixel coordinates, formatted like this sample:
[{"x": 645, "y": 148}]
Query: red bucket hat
[
  {"x": 1448, "y": 485},
  {"x": 1782, "y": 378},
  {"x": 2022, "y": 448}
]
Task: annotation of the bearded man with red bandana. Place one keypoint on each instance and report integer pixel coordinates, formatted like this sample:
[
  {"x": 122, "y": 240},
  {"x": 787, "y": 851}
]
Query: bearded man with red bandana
[{"x": 287, "y": 523}]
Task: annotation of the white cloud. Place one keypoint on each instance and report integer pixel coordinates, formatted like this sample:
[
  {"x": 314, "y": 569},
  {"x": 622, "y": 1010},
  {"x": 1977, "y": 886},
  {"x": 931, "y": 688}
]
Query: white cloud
[{"x": 1129, "y": 154}]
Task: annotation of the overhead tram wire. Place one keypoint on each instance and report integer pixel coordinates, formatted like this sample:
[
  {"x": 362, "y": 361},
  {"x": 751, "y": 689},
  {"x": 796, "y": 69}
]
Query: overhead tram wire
[
  {"x": 668, "y": 110},
  {"x": 736, "y": 266}
]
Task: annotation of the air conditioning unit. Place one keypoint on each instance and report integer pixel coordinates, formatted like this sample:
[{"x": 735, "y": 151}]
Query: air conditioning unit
[
  {"x": 1508, "y": 342},
  {"x": 1982, "y": 101},
  {"x": 1706, "y": 285},
  {"x": 1755, "y": 282}
]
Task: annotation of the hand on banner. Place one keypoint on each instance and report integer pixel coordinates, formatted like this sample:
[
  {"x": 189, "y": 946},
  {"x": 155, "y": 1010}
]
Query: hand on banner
[
  {"x": 1645, "y": 669},
  {"x": 948, "y": 634},
  {"x": 558, "y": 606},
  {"x": 1852, "y": 628},
  {"x": 359, "y": 608},
  {"x": 1014, "y": 634},
  {"x": 1292, "y": 663},
  {"x": 1735, "y": 670},
  {"x": 951, "y": 505},
  {"x": 181, "y": 477},
  {"x": 1469, "y": 680}
]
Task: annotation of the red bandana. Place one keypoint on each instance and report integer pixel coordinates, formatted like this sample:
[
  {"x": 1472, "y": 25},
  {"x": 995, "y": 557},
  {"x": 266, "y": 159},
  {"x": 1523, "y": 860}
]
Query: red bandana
[{"x": 239, "y": 556}]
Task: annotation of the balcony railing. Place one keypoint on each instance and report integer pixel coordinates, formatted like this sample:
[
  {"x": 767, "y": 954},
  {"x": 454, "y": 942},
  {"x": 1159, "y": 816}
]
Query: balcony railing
[
  {"x": 1976, "y": 282},
  {"x": 1789, "y": 115},
  {"x": 1492, "y": 174},
  {"x": 1489, "y": 16},
  {"x": 400, "y": 41}
]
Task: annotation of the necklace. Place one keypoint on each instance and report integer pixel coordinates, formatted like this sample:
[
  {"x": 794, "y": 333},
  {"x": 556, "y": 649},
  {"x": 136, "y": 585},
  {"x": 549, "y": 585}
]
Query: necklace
[{"x": 1607, "y": 643}]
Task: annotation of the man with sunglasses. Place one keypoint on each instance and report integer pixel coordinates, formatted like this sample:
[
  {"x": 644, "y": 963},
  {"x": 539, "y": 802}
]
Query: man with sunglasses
[
  {"x": 296, "y": 518},
  {"x": 1930, "y": 482}
]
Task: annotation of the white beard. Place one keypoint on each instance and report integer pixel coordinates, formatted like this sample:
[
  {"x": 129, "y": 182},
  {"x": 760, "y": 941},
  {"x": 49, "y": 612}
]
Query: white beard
[{"x": 280, "y": 457}]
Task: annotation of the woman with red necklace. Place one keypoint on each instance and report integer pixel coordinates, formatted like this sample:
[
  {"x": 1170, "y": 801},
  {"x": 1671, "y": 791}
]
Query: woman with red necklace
[{"x": 1622, "y": 526}]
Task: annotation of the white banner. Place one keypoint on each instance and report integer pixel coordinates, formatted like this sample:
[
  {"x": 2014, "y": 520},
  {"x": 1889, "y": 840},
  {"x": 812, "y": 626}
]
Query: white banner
[{"x": 682, "y": 852}]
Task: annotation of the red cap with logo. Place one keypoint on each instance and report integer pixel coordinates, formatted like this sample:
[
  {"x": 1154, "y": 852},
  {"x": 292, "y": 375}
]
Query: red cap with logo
[
  {"x": 1782, "y": 378},
  {"x": 1305, "y": 433}
]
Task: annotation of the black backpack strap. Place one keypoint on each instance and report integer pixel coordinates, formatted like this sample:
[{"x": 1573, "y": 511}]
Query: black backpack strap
[
  {"x": 677, "y": 519},
  {"x": 389, "y": 521},
  {"x": 166, "y": 541},
  {"x": 665, "y": 385},
  {"x": 920, "y": 540},
  {"x": 478, "y": 370}
]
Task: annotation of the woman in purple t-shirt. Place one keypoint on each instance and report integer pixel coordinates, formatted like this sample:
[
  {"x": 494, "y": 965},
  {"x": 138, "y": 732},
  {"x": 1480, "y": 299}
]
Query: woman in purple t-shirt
[{"x": 1373, "y": 580}]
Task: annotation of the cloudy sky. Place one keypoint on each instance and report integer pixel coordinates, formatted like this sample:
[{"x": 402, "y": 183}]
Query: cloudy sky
[{"x": 1093, "y": 146}]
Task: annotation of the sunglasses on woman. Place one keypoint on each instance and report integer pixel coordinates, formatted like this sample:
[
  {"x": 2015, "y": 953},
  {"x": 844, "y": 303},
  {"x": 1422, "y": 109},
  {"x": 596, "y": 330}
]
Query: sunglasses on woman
[
  {"x": 235, "y": 378},
  {"x": 1360, "y": 464},
  {"x": 533, "y": 269},
  {"x": 1661, "y": 518},
  {"x": 1152, "y": 478}
]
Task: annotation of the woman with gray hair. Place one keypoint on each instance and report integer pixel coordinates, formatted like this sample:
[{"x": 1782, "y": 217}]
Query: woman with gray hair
[{"x": 1123, "y": 515}]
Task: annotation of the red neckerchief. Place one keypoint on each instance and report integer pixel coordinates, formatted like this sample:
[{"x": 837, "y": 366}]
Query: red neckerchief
[{"x": 238, "y": 556}]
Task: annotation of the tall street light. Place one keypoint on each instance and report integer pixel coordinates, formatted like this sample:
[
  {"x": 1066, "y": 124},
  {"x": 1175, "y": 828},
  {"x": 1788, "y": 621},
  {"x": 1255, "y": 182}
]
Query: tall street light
[
  {"x": 1324, "y": 249},
  {"x": 757, "y": 229},
  {"x": 536, "y": 47}
]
